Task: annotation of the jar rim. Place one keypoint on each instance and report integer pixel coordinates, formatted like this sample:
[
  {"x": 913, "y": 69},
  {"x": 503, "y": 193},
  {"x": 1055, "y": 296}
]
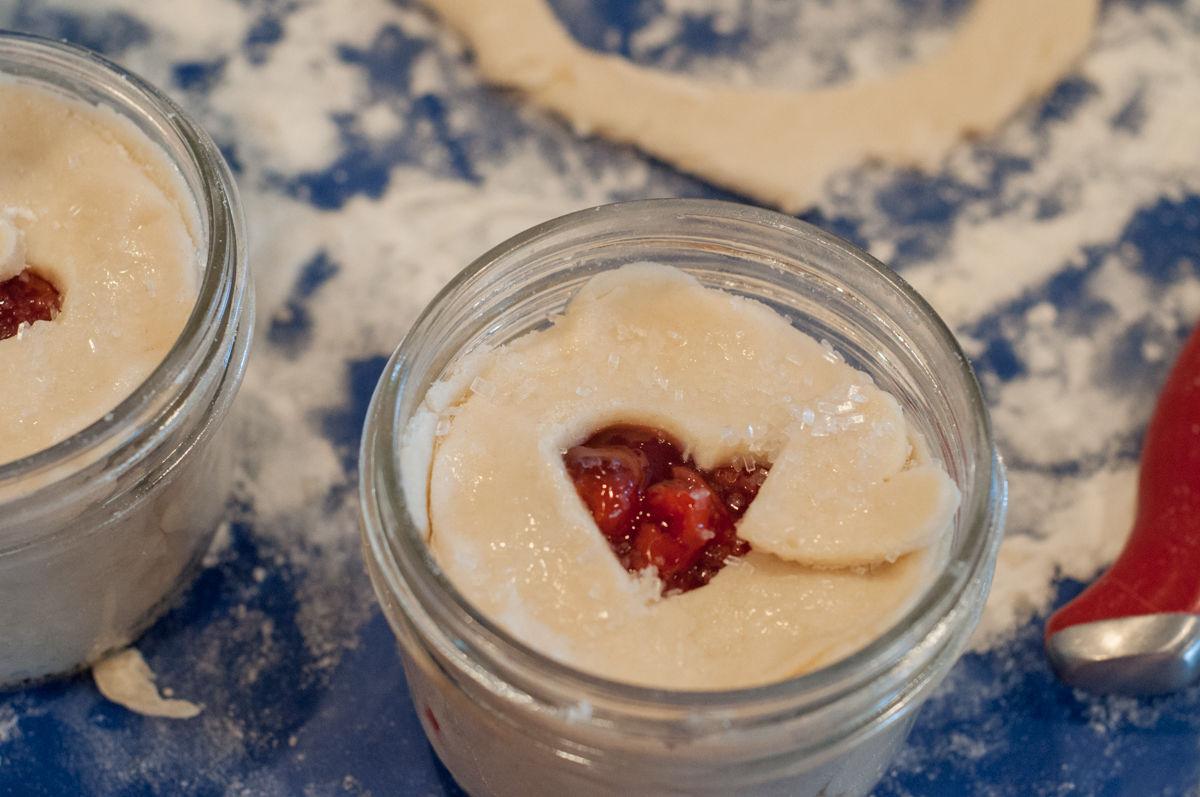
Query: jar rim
[
  {"x": 403, "y": 555},
  {"x": 136, "y": 421}
]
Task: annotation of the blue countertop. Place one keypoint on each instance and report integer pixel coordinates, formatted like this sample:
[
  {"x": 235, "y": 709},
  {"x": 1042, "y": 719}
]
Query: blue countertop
[{"x": 374, "y": 165}]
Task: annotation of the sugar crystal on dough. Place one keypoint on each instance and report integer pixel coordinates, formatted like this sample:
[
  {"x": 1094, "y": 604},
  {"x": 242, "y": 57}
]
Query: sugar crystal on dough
[
  {"x": 482, "y": 387},
  {"x": 526, "y": 389},
  {"x": 829, "y": 353}
]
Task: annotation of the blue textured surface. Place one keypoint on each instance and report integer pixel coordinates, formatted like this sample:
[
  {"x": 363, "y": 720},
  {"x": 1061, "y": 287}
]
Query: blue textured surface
[{"x": 283, "y": 718}]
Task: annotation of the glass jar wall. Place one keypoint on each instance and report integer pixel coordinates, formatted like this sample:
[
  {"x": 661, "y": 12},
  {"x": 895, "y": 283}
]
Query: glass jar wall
[{"x": 509, "y": 721}]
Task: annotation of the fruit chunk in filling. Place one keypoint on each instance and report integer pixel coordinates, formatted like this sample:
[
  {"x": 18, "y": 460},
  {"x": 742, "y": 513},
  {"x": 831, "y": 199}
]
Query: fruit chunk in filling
[
  {"x": 656, "y": 510},
  {"x": 847, "y": 528},
  {"x": 24, "y": 299}
]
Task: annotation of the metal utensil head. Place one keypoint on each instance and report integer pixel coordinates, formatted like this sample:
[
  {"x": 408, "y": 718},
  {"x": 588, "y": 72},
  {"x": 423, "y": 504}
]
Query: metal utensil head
[{"x": 1144, "y": 655}]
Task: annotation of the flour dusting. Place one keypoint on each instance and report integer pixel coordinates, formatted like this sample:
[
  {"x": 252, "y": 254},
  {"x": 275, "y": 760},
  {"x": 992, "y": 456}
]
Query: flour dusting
[{"x": 374, "y": 167}]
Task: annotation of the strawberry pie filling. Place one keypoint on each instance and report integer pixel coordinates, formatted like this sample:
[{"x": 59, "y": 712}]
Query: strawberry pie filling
[
  {"x": 25, "y": 299},
  {"x": 657, "y": 509}
]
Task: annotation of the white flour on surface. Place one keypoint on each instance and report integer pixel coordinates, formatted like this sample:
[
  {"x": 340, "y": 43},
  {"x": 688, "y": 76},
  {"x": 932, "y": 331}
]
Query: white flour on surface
[
  {"x": 1097, "y": 173},
  {"x": 1064, "y": 421},
  {"x": 9, "y": 724}
]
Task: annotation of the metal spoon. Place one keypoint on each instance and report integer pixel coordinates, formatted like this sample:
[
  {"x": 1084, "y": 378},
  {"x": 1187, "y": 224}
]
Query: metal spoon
[{"x": 1136, "y": 630}]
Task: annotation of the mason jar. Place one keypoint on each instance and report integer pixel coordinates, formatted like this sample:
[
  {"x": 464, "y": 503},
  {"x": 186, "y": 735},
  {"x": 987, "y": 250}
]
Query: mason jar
[
  {"x": 508, "y": 721},
  {"x": 99, "y": 532}
]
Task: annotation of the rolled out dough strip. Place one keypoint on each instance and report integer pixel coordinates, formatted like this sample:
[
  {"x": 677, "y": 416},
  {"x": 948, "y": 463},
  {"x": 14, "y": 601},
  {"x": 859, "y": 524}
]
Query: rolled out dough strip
[{"x": 776, "y": 146}]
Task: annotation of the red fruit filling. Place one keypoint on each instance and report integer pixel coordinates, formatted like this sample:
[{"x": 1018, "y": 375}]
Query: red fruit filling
[
  {"x": 657, "y": 509},
  {"x": 24, "y": 299}
]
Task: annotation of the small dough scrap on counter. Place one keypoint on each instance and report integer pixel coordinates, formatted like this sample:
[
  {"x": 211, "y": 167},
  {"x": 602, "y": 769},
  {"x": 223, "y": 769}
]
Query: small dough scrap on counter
[
  {"x": 734, "y": 382},
  {"x": 779, "y": 147},
  {"x": 127, "y": 680}
]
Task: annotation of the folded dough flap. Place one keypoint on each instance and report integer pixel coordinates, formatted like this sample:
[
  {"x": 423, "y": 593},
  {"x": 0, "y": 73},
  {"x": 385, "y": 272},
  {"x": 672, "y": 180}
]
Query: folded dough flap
[{"x": 854, "y": 494}]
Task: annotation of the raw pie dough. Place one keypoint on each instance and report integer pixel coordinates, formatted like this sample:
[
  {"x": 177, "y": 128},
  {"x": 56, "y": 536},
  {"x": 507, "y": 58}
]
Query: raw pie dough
[
  {"x": 847, "y": 528},
  {"x": 92, "y": 205},
  {"x": 779, "y": 147},
  {"x": 127, "y": 680}
]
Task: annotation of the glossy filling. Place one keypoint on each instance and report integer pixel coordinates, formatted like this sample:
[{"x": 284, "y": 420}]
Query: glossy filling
[
  {"x": 658, "y": 509},
  {"x": 25, "y": 299}
]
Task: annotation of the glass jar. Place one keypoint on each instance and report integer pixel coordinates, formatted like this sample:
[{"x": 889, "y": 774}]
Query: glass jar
[
  {"x": 99, "y": 532},
  {"x": 510, "y": 722}
]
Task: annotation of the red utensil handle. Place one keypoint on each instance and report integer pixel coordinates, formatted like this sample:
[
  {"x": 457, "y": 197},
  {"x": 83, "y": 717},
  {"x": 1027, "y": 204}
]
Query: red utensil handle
[{"x": 1159, "y": 569}]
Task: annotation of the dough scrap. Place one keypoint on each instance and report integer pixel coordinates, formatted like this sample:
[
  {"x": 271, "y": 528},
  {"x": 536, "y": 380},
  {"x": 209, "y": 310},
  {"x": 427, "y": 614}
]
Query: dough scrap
[
  {"x": 127, "y": 680},
  {"x": 779, "y": 147}
]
